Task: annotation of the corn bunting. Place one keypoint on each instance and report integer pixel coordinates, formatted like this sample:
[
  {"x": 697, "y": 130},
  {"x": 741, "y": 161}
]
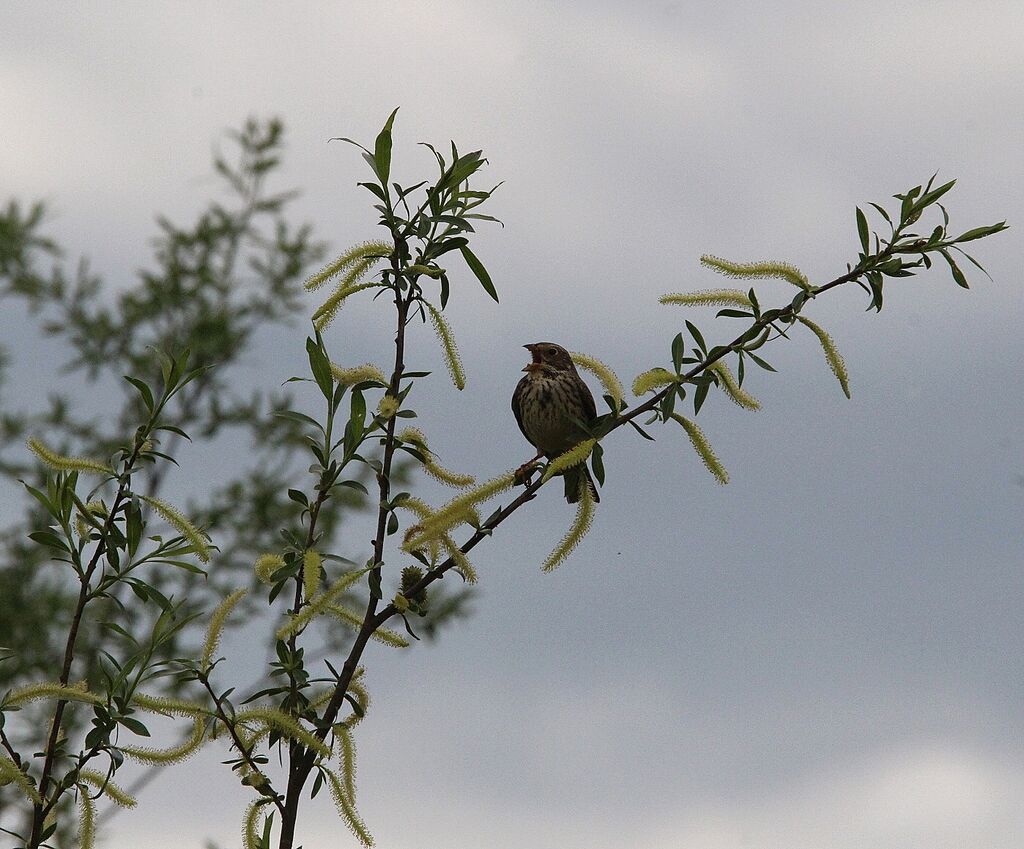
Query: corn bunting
[{"x": 547, "y": 400}]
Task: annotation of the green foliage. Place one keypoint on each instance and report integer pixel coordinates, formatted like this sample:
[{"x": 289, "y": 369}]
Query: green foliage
[
  {"x": 900, "y": 253},
  {"x": 215, "y": 286},
  {"x": 292, "y": 731},
  {"x": 106, "y": 555}
]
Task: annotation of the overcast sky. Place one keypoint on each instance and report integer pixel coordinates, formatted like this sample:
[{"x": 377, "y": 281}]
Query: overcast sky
[{"x": 826, "y": 653}]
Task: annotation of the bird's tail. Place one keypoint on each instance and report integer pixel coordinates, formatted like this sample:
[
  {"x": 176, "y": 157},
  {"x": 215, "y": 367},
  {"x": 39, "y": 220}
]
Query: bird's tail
[{"x": 573, "y": 476}]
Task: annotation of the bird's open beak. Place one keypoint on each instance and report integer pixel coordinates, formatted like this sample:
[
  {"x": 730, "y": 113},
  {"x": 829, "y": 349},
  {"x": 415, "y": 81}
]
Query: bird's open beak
[{"x": 532, "y": 366}]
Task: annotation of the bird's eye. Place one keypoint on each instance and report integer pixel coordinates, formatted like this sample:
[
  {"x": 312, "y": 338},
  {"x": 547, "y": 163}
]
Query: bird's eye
[{"x": 552, "y": 352}]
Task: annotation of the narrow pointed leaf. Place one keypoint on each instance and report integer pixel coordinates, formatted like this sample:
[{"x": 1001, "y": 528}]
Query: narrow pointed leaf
[{"x": 478, "y": 269}]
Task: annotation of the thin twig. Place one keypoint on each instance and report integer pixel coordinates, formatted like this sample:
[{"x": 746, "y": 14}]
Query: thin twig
[{"x": 246, "y": 753}]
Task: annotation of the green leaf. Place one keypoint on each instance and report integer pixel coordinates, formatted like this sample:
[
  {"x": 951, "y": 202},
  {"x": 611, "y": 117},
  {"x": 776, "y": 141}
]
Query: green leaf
[
  {"x": 349, "y": 141},
  {"x": 358, "y": 410},
  {"x": 439, "y": 248},
  {"x": 881, "y": 211},
  {"x": 929, "y": 197},
  {"x": 134, "y": 725},
  {"x": 697, "y": 337},
  {"x": 463, "y": 167},
  {"x": 175, "y": 430},
  {"x": 144, "y": 391},
  {"x": 765, "y": 365},
  {"x": 321, "y": 368},
  {"x": 678, "y": 352},
  {"x": 373, "y": 187},
  {"x": 299, "y": 417},
  {"x": 369, "y": 160},
  {"x": 187, "y": 565},
  {"x": 907, "y": 204},
  {"x": 973, "y": 262},
  {"x": 382, "y": 150},
  {"x": 981, "y": 232},
  {"x": 478, "y": 269},
  {"x": 48, "y": 538},
  {"x": 699, "y": 394},
  {"x": 958, "y": 275},
  {"x": 134, "y": 528},
  {"x": 640, "y": 430},
  {"x": 356, "y": 707},
  {"x": 42, "y": 499},
  {"x": 353, "y": 484},
  {"x": 597, "y": 463},
  {"x": 117, "y": 629},
  {"x": 862, "y": 231}
]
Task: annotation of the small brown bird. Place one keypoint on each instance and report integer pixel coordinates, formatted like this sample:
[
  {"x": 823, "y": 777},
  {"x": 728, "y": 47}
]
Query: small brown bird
[{"x": 547, "y": 399}]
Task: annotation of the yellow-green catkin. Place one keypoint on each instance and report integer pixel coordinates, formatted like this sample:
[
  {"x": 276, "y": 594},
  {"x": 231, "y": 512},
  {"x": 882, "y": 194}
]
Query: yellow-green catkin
[
  {"x": 346, "y": 808},
  {"x": 430, "y": 465},
  {"x": 116, "y": 794},
  {"x": 318, "y": 604},
  {"x": 372, "y": 251},
  {"x": 312, "y": 564},
  {"x": 581, "y": 524},
  {"x": 355, "y": 620},
  {"x": 832, "y": 355},
  {"x": 10, "y": 774},
  {"x": 357, "y": 690},
  {"x": 422, "y": 512},
  {"x": 708, "y": 298},
  {"x": 325, "y": 314},
  {"x": 429, "y": 271},
  {"x": 60, "y": 463},
  {"x": 609, "y": 380},
  {"x": 358, "y": 374},
  {"x": 172, "y": 754},
  {"x": 573, "y": 457},
  {"x": 768, "y": 268},
  {"x": 456, "y": 511},
  {"x": 348, "y": 759},
  {"x": 252, "y": 826},
  {"x": 445, "y": 475},
  {"x": 653, "y": 379},
  {"x": 737, "y": 394},
  {"x": 216, "y": 628},
  {"x": 199, "y": 542},
  {"x": 416, "y": 506},
  {"x": 266, "y": 565},
  {"x": 168, "y": 706},
  {"x": 459, "y": 559},
  {"x": 86, "y": 820},
  {"x": 451, "y": 350},
  {"x": 287, "y": 725},
  {"x": 84, "y": 524},
  {"x": 46, "y": 690},
  {"x": 387, "y": 407},
  {"x": 703, "y": 449}
]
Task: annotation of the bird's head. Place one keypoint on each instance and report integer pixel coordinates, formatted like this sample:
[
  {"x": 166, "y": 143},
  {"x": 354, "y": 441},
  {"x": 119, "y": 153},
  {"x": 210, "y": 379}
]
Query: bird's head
[{"x": 548, "y": 357}]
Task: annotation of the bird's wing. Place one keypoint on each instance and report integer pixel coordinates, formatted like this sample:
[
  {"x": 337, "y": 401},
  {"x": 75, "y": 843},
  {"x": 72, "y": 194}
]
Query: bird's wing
[
  {"x": 517, "y": 400},
  {"x": 587, "y": 398}
]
